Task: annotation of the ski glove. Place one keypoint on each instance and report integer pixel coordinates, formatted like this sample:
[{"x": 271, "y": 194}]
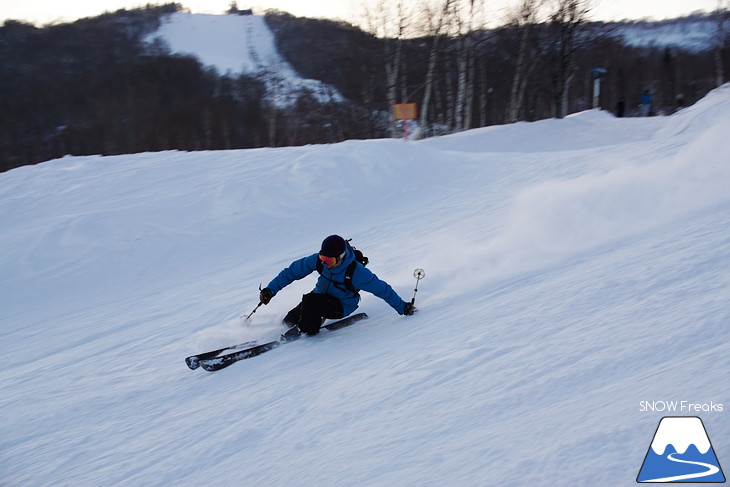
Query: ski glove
[
  {"x": 409, "y": 309},
  {"x": 265, "y": 295}
]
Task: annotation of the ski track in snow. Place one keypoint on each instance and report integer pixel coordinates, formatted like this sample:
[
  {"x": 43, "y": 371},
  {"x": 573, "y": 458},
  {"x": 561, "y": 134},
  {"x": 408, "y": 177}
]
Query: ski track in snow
[{"x": 574, "y": 268}]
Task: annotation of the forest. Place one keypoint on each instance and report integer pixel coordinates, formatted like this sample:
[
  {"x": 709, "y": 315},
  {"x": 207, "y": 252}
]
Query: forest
[{"x": 95, "y": 86}]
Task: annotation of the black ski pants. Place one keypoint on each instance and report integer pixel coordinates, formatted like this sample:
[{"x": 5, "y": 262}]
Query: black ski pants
[{"x": 312, "y": 311}]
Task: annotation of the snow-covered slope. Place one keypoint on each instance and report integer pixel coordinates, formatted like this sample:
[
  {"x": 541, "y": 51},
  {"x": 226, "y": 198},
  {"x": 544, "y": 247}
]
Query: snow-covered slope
[
  {"x": 695, "y": 33},
  {"x": 238, "y": 44},
  {"x": 575, "y": 268}
]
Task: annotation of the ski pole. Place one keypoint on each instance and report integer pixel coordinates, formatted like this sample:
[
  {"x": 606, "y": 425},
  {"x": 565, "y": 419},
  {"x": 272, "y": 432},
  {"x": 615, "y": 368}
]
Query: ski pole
[
  {"x": 418, "y": 274},
  {"x": 246, "y": 320}
]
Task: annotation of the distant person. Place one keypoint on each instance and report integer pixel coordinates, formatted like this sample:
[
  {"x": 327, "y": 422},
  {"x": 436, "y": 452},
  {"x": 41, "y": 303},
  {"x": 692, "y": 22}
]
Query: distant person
[
  {"x": 645, "y": 104},
  {"x": 621, "y": 107}
]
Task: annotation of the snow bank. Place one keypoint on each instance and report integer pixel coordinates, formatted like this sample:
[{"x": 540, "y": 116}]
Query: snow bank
[
  {"x": 711, "y": 111},
  {"x": 583, "y": 130},
  {"x": 559, "y": 218}
]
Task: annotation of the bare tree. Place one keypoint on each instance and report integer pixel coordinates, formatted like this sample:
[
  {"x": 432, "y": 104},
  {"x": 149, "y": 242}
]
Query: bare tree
[
  {"x": 390, "y": 21},
  {"x": 436, "y": 22},
  {"x": 524, "y": 19},
  {"x": 475, "y": 23},
  {"x": 466, "y": 18},
  {"x": 462, "y": 63},
  {"x": 567, "y": 19},
  {"x": 722, "y": 14}
]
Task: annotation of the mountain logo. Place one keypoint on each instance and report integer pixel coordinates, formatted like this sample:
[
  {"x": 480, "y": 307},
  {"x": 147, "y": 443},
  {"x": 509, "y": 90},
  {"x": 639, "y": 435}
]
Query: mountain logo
[{"x": 681, "y": 452}]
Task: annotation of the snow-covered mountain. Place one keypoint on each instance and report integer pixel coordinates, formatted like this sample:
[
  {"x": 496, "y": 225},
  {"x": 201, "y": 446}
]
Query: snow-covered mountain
[
  {"x": 680, "y": 432},
  {"x": 696, "y": 32},
  {"x": 238, "y": 44},
  {"x": 574, "y": 268}
]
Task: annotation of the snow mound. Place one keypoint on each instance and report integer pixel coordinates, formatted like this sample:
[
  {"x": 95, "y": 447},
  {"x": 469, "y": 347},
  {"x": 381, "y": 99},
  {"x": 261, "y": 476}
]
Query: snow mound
[
  {"x": 707, "y": 114},
  {"x": 579, "y": 131}
]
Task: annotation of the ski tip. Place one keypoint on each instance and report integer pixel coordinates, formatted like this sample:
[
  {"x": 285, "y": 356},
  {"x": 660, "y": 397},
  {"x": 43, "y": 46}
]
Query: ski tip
[{"x": 192, "y": 362}]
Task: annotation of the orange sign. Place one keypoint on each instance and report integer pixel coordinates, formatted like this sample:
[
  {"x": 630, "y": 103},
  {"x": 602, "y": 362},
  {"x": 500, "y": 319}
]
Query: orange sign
[{"x": 404, "y": 111}]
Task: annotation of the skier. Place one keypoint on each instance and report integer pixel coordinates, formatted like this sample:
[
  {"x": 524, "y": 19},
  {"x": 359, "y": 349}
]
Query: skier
[
  {"x": 331, "y": 297},
  {"x": 645, "y": 103}
]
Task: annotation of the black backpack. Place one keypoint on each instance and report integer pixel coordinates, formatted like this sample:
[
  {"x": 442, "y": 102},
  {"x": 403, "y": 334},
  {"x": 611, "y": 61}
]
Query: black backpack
[{"x": 359, "y": 257}]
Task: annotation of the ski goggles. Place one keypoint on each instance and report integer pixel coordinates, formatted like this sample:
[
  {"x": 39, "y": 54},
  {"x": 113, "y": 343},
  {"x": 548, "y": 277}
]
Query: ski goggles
[{"x": 330, "y": 262}]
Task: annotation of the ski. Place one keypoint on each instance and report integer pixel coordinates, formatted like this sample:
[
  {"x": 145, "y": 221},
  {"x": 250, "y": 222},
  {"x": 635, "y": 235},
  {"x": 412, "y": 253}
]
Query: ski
[
  {"x": 217, "y": 363},
  {"x": 193, "y": 361},
  {"x": 336, "y": 325},
  {"x": 214, "y": 362}
]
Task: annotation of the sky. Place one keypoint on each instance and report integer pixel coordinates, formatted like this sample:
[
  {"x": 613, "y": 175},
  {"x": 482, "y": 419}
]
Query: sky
[{"x": 41, "y": 12}]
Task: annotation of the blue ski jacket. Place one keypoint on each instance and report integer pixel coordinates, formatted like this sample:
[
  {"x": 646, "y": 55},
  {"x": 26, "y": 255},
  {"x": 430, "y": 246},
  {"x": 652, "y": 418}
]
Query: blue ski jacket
[{"x": 332, "y": 281}]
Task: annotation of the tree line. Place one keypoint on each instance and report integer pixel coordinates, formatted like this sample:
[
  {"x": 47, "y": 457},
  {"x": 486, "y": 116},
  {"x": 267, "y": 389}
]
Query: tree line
[
  {"x": 95, "y": 86},
  {"x": 539, "y": 64}
]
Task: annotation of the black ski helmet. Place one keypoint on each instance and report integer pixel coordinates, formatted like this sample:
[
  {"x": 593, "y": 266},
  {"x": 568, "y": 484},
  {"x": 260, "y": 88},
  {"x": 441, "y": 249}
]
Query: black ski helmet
[{"x": 333, "y": 246}]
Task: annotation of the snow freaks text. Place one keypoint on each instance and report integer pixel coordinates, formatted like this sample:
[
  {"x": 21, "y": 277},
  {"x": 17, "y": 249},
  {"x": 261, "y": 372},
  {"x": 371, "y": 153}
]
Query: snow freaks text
[{"x": 680, "y": 407}]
